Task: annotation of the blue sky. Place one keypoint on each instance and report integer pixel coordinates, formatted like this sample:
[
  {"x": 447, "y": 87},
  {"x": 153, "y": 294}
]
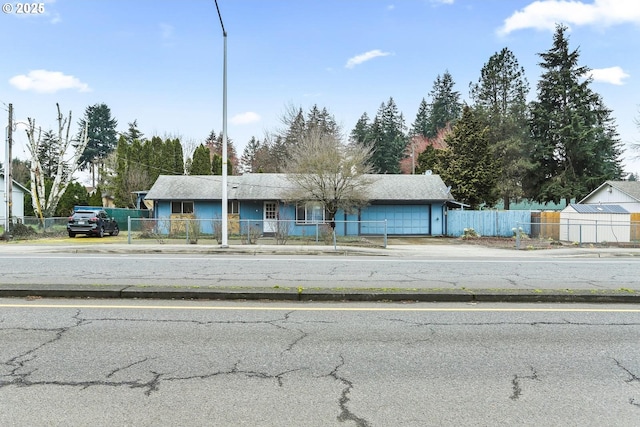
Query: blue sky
[{"x": 160, "y": 61}]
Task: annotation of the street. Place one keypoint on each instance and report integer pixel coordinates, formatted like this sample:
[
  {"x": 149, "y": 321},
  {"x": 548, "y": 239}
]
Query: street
[
  {"x": 143, "y": 363},
  {"x": 263, "y": 271}
]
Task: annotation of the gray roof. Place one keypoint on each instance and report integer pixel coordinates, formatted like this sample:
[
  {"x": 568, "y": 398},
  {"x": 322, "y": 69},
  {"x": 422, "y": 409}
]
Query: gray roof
[
  {"x": 269, "y": 186},
  {"x": 630, "y": 188},
  {"x": 612, "y": 209}
]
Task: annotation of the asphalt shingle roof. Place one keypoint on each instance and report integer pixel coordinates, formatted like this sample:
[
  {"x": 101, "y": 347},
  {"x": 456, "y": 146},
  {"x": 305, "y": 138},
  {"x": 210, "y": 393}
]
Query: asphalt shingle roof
[{"x": 274, "y": 186}]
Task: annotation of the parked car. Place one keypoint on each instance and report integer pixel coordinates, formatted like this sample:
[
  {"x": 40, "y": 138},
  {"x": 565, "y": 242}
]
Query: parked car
[{"x": 92, "y": 222}]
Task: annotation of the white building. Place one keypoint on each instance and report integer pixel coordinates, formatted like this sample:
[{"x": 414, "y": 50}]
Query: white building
[
  {"x": 18, "y": 191},
  {"x": 623, "y": 193},
  {"x": 597, "y": 223}
]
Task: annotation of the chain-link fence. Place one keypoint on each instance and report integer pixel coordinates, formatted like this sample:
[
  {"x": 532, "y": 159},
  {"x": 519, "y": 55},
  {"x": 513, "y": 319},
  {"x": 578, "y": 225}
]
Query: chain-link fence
[
  {"x": 577, "y": 233},
  {"x": 251, "y": 232}
]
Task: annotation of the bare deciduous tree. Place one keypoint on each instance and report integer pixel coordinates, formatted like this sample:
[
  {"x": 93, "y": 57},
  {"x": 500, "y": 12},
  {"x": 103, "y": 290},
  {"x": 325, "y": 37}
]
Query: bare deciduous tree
[
  {"x": 322, "y": 169},
  {"x": 45, "y": 204}
]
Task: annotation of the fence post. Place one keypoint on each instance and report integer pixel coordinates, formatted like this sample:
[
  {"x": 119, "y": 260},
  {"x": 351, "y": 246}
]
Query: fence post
[
  {"x": 580, "y": 234},
  {"x": 385, "y": 234},
  {"x": 129, "y": 229},
  {"x": 186, "y": 228},
  {"x": 517, "y": 235},
  {"x": 317, "y": 231}
]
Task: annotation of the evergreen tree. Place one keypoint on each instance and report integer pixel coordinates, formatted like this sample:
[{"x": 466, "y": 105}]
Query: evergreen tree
[
  {"x": 388, "y": 138},
  {"x": 445, "y": 106},
  {"x": 422, "y": 124},
  {"x": 173, "y": 151},
  {"x": 574, "y": 141},
  {"x": 20, "y": 171},
  {"x": 500, "y": 95},
  {"x": 133, "y": 133},
  {"x": 361, "y": 133},
  {"x": 201, "y": 162},
  {"x": 214, "y": 143},
  {"x": 95, "y": 199},
  {"x": 102, "y": 135},
  {"x": 469, "y": 166},
  {"x": 249, "y": 158},
  {"x": 75, "y": 195},
  {"x": 49, "y": 154}
]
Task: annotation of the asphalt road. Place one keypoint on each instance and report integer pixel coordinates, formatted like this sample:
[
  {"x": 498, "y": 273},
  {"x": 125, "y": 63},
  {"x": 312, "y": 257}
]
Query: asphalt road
[
  {"x": 263, "y": 271},
  {"x": 71, "y": 362}
]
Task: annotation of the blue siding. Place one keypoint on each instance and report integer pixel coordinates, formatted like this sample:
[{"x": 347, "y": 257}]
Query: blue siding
[
  {"x": 401, "y": 219},
  {"x": 488, "y": 223}
]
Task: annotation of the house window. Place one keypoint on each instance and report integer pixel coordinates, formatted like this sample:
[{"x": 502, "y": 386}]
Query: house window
[
  {"x": 233, "y": 207},
  {"x": 310, "y": 213},
  {"x": 181, "y": 207}
]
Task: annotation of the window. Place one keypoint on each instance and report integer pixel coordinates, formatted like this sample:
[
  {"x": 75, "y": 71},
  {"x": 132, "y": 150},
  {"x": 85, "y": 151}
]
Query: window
[
  {"x": 233, "y": 207},
  {"x": 310, "y": 213},
  {"x": 181, "y": 207}
]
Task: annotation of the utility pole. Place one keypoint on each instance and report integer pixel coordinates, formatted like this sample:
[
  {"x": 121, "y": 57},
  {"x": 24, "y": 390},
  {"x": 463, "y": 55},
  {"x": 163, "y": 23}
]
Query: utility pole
[
  {"x": 8, "y": 176},
  {"x": 225, "y": 197}
]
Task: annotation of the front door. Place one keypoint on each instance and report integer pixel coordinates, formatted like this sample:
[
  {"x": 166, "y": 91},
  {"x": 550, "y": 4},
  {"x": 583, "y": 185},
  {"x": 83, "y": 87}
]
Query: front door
[{"x": 270, "y": 217}]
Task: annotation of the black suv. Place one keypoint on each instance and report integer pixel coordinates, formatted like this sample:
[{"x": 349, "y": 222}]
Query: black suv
[{"x": 92, "y": 222}]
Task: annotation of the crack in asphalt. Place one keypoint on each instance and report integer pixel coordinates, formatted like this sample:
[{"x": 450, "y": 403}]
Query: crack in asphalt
[
  {"x": 517, "y": 389},
  {"x": 21, "y": 379},
  {"x": 632, "y": 377},
  {"x": 541, "y": 323},
  {"x": 345, "y": 412}
]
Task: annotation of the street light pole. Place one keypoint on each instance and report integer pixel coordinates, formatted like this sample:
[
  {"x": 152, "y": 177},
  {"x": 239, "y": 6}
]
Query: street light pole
[
  {"x": 224, "y": 137},
  {"x": 8, "y": 176}
]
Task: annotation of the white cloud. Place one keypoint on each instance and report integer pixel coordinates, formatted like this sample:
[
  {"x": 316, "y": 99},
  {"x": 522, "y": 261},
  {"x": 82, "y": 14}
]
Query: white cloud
[
  {"x": 167, "y": 31},
  {"x": 612, "y": 75},
  {"x": 245, "y": 118},
  {"x": 544, "y": 14},
  {"x": 442, "y": 1},
  {"x": 43, "y": 81},
  {"x": 359, "y": 59}
]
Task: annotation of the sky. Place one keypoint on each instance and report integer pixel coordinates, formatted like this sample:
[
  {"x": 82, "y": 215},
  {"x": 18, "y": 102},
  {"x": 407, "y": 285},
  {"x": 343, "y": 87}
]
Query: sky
[{"x": 160, "y": 62}]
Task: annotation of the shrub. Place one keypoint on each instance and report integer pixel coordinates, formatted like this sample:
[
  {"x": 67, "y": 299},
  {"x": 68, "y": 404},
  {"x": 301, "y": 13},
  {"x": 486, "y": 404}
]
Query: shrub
[{"x": 470, "y": 233}]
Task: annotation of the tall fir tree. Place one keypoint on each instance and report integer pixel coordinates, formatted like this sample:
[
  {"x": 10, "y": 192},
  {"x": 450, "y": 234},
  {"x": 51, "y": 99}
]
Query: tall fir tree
[
  {"x": 214, "y": 143},
  {"x": 574, "y": 142},
  {"x": 249, "y": 159},
  {"x": 468, "y": 165},
  {"x": 445, "y": 106},
  {"x": 133, "y": 132},
  {"x": 361, "y": 133},
  {"x": 501, "y": 96},
  {"x": 422, "y": 124},
  {"x": 388, "y": 139},
  {"x": 102, "y": 135}
]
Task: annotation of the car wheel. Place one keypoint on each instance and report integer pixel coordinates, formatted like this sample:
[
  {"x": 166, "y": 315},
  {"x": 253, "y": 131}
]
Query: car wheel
[
  {"x": 72, "y": 234},
  {"x": 101, "y": 233},
  {"x": 115, "y": 231}
]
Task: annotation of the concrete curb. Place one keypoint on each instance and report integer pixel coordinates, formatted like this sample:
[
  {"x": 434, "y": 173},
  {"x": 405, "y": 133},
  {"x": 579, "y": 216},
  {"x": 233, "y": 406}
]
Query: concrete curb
[{"x": 323, "y": 295}]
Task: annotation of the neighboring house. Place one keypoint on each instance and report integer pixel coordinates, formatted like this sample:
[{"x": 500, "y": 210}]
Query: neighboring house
[
  {"x": 623, "y": 193},
  {"x": 410, "y": 204},
  {"x": 17, "y": 198}
]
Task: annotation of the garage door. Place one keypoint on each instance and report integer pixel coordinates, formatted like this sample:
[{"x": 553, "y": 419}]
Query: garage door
[{"x": 401, "y": 219}]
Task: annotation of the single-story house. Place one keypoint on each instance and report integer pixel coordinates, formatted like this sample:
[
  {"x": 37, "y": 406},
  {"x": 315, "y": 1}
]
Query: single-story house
[
  {"x": 17, "y": 198},
  {"x": 623, "y": 193},
  {"x": 410, "y": 204},
  {"x": 595, "y": 223}
]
